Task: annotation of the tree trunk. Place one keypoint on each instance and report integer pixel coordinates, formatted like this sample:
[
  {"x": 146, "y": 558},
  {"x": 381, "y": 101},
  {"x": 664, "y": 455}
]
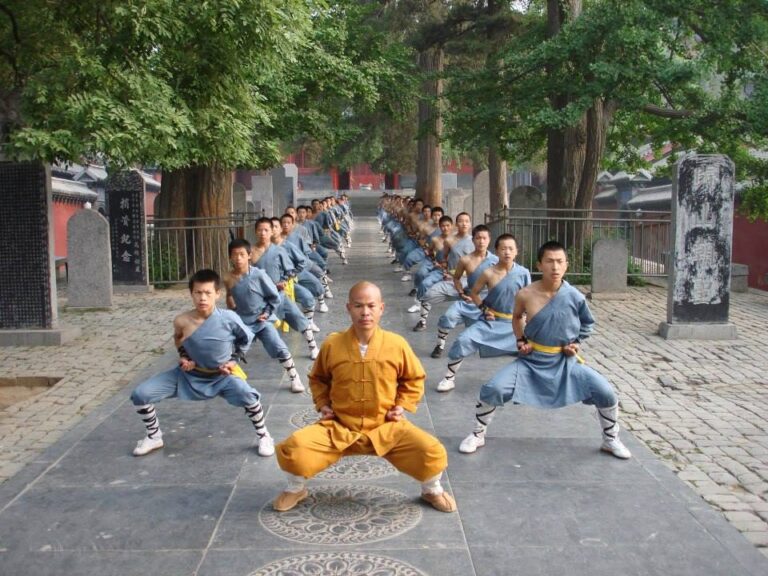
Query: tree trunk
[
  {"x": 565, "y": 148},
  {"x": 198, "y": 200},
  {"x": 497, "y": 177},
  {"x": 429, "y": 162}
]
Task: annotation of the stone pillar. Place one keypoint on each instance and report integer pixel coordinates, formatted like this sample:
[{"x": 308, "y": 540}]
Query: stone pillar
[
  {"x": 90, "y": 261},
  {"x": 481, "y": 199},
  {"x": 128, "y": 225},
  {"x": 700, "y": 268},
  {"x": 262, "y": 194},
  {"x": 609, "y": 269},
  {"x": 28, "y": 307}
]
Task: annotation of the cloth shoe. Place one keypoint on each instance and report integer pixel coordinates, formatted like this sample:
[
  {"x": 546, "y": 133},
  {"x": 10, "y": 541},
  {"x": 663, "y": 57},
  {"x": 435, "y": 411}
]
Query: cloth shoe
[
  {"x": 296, "y": 385},
  {"x": 471, "y": 443},
  {"x": 266, "y": 445},
  {"x": 406, "y": 277},
  {"x": 415, "y": 308},
  {"x": 323, "y": 308},
  {"x": 147, "y": 445},
  {"x": 616, "y": 447},
  {"x": 446, "y": 385},
  {"x": 437, "y": 352},
  {"x": 442, "y": 502},
  {"x": 328, "y": 293},
  {"x": 313, "y": 326},
  {"x": 288, "y": 500},
  {"x": 609, "y": 422}
]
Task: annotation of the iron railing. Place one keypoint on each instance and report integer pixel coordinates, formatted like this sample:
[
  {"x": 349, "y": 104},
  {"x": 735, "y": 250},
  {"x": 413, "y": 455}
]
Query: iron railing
[
  {"x": 647, "y": 235},
  {"x": 177, "y": 247}
]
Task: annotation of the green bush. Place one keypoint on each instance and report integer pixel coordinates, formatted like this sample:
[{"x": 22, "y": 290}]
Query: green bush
[{"x": 164, "y": 265}]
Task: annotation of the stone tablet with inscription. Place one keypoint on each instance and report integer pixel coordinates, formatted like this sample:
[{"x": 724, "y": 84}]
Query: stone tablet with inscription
[
  {"x": 698, "y": 294},
  {"x": 26, "y": 247},
  {"x": 127, "y": 223}
]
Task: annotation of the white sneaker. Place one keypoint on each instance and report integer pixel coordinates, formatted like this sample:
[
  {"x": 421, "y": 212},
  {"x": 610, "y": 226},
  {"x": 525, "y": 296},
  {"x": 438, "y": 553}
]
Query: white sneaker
[
  {"x": 296, "y": 385},
  {"x": 398, "y": 268},
  {"x": 446, "y": 385},
  {"x": 328, "y": 294},
  {"x": 406, "y": 277},
  {"x": 313, "y": 326},
  {"x": 329, "y": 279},
  {"x": 617, "y": 448},
  {"x": 323, "y": 308},
  {"x": 266, "y": 445},
  {"x": 414, "y": 308},
  {"x": 314, "y": 353},
  {"x": 471, "y": 443},
  {"x": 344, "y": 261},
  {"x": 147, "y": 445}
]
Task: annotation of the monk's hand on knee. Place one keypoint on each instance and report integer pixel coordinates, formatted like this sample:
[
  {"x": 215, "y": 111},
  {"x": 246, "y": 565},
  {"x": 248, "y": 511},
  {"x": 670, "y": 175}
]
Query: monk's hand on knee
[
  {"x": 395, "y": 414},
  {"x": 327, "y": 413},
  {"x": 186, "y": 364},
  {"x": 227, "y": 367},
  {"x": 571, "y": 349}
]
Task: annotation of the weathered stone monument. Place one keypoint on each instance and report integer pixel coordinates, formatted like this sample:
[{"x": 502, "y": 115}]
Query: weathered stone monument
[
  {"x": 238, "y": 198},
  {"x": 250, "y": 221},
  {"x": 28, "y": 311},
  {"x": 127, "y": 225},
  {"x": 283, "y": 188},
  {"x": 526, "y": 201},
  {"x": 449, "y": 180},
  {"x": 90, "y": 261},
  {"x": 262, "y": 194},
  {"x": 481, "y": 197},
  {"x": 700, "y": 260},
  {"x": 609, "y": 269},
  {"x": 455, "y": 200}
]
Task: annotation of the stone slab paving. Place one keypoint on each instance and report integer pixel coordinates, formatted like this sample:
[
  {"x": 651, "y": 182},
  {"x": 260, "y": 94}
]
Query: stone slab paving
[{"x": 538, "y": 499}]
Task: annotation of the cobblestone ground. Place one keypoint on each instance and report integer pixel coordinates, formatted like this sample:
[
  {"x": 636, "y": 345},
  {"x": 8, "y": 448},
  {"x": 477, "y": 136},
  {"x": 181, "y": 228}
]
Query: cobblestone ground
[
  {"x": 113, "y": 347},
  {"x": 701, "y": 406}
]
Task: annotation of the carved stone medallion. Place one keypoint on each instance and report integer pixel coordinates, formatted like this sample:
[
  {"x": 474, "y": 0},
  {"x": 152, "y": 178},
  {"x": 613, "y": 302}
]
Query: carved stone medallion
[{"x": 344, "y": 514}]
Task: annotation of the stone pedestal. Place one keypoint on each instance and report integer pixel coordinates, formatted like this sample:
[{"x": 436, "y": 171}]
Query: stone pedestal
[
  {"x": 90, "y": 261},
  {"x": 702, "y": 229},
  {"x": 739, "y": 278},
  {"x": 609, "y": 269}
]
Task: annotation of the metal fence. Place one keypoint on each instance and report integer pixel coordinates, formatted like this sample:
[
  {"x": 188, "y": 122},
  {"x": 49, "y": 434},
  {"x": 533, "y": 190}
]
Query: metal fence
[
  {"x": 647, "y": 235},
  {"x": 176, "y": 247}
]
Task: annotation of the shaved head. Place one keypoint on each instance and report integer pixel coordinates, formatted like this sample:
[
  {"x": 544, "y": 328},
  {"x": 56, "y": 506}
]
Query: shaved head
[{"x": 364, "y": 286}]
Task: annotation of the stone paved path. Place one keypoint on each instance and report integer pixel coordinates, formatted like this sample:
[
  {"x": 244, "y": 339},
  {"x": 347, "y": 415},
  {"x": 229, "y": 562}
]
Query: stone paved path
[{"x": 538, "y": 499}]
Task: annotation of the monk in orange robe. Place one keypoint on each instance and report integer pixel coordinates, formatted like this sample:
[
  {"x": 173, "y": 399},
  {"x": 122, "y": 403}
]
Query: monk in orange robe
[{"x": 362, "y": 383}]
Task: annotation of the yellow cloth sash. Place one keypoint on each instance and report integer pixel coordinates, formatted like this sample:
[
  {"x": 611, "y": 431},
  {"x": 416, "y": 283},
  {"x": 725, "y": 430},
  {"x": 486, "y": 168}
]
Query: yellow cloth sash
[
  {"x": 290, "y": 292},
  {"x": 551, "y": 350},
  {"x": 509, "y": 317},
  {"x": 236, "y": 371}
]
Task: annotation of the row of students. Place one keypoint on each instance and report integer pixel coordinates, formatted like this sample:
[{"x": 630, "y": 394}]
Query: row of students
[
  {"x": 267, "y": 284},
  {"x": 541, "y": 323}
]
